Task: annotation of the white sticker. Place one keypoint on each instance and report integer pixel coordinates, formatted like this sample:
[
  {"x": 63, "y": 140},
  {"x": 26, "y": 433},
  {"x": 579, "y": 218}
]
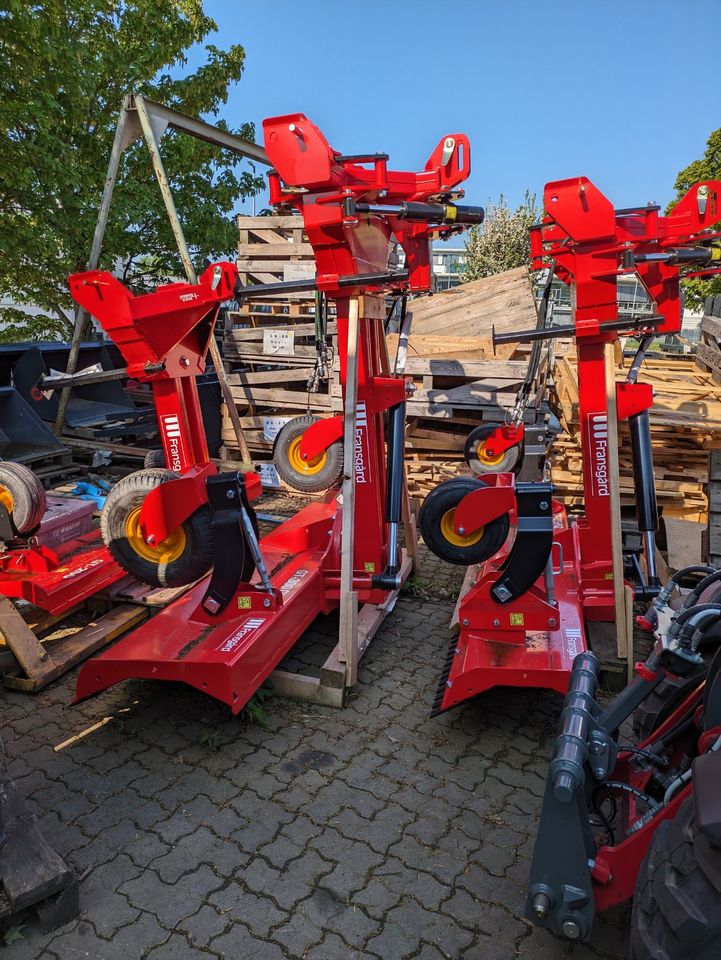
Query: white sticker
[
  {"x": 273, "y": 425},
  {"x": 250, "y": 626},
  {"x": 300, "y": 270},
  {"x": 280, "y": 343},
  {"x": 268, "y": 475}
]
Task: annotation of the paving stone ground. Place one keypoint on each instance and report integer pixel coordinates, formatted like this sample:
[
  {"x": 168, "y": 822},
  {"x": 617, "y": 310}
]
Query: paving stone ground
[{"x": 371, "y": 832}]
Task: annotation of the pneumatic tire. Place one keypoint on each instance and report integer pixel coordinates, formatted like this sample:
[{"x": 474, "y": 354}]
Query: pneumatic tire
[
  {"x": 185, "y": 556},
  {"x": 153, "y": 459},
  {"x": 310, "y": 476},
  {"x": 478, "y": 459},
  {"x": 435, "y": 521},
  {"x": 22, "y": 495},
  {"x": 677, "y": 903}
]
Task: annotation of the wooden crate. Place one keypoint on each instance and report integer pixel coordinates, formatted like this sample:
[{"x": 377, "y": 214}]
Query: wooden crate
[{"x": 273, "y": 248}]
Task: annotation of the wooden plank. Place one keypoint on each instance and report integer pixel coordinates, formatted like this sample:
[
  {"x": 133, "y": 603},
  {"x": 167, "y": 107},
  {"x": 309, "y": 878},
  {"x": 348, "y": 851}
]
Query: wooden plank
[
  {"x": 70, "y": 651},
  {"x": 348, "y": 625},
  {"x": 274, "y": 222},
  {"x": 619, "y": 589},
  {"x": 22, "y": 642},
  {"x": 300, "y": 687},
  {"x": 504, "y": 301},
  {"x": 283, "y": 250},
  {"x": 468, "y": 581}
]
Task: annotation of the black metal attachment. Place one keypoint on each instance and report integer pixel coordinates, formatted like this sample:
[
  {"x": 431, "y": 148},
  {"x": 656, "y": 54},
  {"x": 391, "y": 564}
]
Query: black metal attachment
[
  {"x": 443, "y": 682},
  {"x": 360, "y": 157},
  {"x": 570, "y": 330},
  {"x": 33, "y": 875},
  {"x": 532, "y": 546},
  {"x": 389, "y": 579},
  {"x": 230, "y": 550},
  {"x": 304, "y": 286},
  {"x": 442, "y": 213}
]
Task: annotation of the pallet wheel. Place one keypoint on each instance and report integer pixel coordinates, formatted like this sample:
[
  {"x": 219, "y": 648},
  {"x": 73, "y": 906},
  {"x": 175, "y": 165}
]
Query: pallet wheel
[
  {"x": 23, "y": 496},
  {"x": 480, "y": 461},
  {"x": 437, "y": 529},
  {"x": 310, "y": 476},
  {"x": 183, "y": 557}
]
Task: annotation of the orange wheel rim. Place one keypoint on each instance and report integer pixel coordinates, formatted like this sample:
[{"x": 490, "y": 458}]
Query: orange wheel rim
[
  {"x": 458, "y": 539},
  {"x": 485, "y": 457},
  {"x": 306, "y": 467},
  {"x": 166, "y": 552},
  {"x": 6, "y": 499}
]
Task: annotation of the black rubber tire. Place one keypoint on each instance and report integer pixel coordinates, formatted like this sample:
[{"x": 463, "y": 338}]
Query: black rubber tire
[
  {"x": 445, "y": 497},
  {"x": 329, "y": 473},
  {"x": 28, "y": 495},
  {"x": 510, "y": 462},
  {"x": 126, "y": 496},
  {"x": 154, "y": 459},
  {"x": 677, "y": 903},
  {"x": 658, "y": 706}
]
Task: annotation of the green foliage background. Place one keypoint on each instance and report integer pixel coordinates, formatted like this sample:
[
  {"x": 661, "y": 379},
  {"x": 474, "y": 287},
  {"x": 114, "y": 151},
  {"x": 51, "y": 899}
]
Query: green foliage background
[
  {"x": 708, "y": 167},
  {"x": 65, "y": 66},
  {"x": 502, "y": 242}
]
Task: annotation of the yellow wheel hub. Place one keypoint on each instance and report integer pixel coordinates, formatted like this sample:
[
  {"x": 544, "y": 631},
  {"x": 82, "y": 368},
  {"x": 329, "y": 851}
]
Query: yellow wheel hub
[
  {"x": 485, "y": 457},
  {"x": 458, "y": 539},
  {"x": 6, "y": 499},
  {"x": 166, "y": 552},
  {"x": 305, "y": 467}
]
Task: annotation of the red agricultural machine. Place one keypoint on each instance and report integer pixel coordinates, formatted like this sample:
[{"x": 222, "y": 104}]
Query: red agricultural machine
[
  {"x": 617, "y": 817},
  {"x": 543, "y": 579},
  {"x": 186, "y": 521}
]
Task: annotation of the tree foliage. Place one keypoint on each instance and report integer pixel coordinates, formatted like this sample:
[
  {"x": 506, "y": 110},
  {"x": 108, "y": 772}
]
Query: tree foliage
[
  {"x": 65, "y": 66},
  {"x": 708, "y": 167},
  {"x": 501, "y": 242}
]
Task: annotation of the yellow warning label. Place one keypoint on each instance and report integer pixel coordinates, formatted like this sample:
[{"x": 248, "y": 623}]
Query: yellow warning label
[
  {"x": 370, "y": 568},
  {"x": 244, "y": 603},
  {"x": 516, "y": 619},
  {"x": 608, "y": 576}
]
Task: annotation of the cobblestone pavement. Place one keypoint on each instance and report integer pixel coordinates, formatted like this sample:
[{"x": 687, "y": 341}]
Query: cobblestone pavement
[{"x": 371, "y": 832}]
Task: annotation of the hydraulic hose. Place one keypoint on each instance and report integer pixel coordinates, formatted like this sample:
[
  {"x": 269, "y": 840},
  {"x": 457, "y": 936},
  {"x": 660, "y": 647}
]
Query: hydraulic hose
[
  {"x": 649, "y": 619},
  {"x": 702, "y": 585},
  {"x": 639, "y": 357},
  {"x": 676, "y": 784},
  {"x": 684, "y": 615}
]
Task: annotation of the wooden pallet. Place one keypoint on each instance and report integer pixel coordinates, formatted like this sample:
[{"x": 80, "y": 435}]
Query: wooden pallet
[
  {"x": 273, "y": 248},
  {"x": 35, "y": 664},
  {"x": 39, "y": 647},
  {"x": 685, "y": 426}
]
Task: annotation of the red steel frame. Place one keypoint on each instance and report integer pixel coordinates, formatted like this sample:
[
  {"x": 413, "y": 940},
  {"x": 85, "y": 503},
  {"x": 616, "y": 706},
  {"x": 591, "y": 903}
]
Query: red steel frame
[
  {"x": 56, "y": 579},
  {"x": 164, "y": 338},
  {"x": 531, "y": 641}
]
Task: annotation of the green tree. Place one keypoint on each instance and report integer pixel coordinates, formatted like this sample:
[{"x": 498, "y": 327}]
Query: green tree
[
  {"x": 501, "y": 243},
  {"x": 708, "y": 167},
  {"x": 65, "y": 66}
]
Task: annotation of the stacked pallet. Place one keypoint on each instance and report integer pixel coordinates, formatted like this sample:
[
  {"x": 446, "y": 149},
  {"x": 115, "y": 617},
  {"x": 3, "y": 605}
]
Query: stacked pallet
[
  {"x": 458, "y": 384},
  {"x": 460, "y": 381},
  {"x": 685, "y": 425}
]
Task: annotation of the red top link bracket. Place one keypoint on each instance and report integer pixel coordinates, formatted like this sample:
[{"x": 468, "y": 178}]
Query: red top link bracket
[{"x": 354, "y": 206}]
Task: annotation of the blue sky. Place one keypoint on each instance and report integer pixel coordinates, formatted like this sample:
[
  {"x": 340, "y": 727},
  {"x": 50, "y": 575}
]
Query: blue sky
[{"x": 621, "y": 92}]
